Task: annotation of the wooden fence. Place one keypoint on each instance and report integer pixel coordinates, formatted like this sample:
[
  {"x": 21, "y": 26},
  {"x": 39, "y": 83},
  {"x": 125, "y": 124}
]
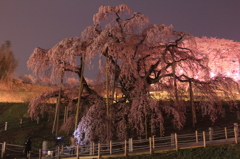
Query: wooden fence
[
  {"x": 4, "y": 126},
  {"x": 173, "y": 142}
]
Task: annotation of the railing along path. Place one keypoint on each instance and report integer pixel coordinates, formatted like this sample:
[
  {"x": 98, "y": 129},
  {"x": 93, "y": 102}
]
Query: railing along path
[{"x": 174, "y": 142}]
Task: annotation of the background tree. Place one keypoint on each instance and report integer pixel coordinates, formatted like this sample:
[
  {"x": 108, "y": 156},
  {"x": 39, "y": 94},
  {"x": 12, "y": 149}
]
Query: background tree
[
  {"x": 8, "y": 63},
  {"x": 28, "y": 79},
  {"x": 224, "y": 56}
]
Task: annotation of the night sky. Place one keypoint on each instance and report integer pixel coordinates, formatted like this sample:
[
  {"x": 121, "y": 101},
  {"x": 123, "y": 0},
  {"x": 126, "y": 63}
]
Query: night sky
[{"x": 43, "y": 23}]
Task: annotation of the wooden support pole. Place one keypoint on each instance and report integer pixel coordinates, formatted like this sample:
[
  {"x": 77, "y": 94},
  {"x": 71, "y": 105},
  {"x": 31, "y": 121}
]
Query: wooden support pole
[
  {"x": 204, "y": 139},
  {"x": 99, "y": 151},
  {"x": 226, "y": 134},
  {"x": 196, "y": 133},
  {"x": 176, "y": 141},
  {"x": 110, "y": 147}
]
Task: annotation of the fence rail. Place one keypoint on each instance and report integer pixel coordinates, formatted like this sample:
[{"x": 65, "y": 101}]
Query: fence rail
[{"x": 173, "y": 142}]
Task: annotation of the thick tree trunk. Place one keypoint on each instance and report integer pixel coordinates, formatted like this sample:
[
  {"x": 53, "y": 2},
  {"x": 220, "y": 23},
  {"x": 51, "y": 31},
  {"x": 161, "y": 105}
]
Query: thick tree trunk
[
  {"x": 80, "y": 92},
  {"x": 114, "y": 81},
  {"x": 175, "y": 81},
  {"x": 65, "y": 114},
  {"x": 107, "y": 98},
  {"x": 146, "y": 127},
  {"x": 107, "y": 89},
  {"x": 194, "y": 117}
]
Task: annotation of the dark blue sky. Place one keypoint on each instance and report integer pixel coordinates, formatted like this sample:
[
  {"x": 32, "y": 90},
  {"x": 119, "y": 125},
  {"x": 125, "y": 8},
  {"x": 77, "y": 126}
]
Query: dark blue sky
[{"x": 43, "y": 23}]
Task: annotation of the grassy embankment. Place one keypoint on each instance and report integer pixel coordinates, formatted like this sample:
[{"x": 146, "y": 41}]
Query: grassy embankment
[{"x": 14, "y": 101}]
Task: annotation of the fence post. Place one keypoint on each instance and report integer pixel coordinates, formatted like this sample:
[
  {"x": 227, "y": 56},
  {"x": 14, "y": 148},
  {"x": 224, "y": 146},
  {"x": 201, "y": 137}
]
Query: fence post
[
  {"x": 150, "y": 145},
  {"x": 90, "y": 148},
  {"x": 236, "y": 125},
  {"x": 176, "y": 141},
  {"x": 204, "y": 139},
  {"x": 93, "y": 146},
  {"x": 238, "y": 115},
  {"x": 235, "y": 135},
  {"x": 62, "y": 149},
  {"x": 153, "y": 139},
  {"x": 226, "y": 134},
  {"x": 3, "y": 149},
  {"x": 236, "y": 132},
  {"x": 6, "y": 124},
  {"x": 21, "y": 122},
  {"x": 29, "y": 155},
  {"x": 110, "y": 146},
  {"x": 58, "y": 150},
  {"x": 196, "y": 133},
  {"x": 40, "y": 153},
  {"x": 99, "y": 151},
  {"x": 125, "y": 147},
  {"x": 131, "y": 144},
  {"x": 37, "y": 120},
  {"x": 77, "y": 152},
  {"x": 210, "y": 133}
]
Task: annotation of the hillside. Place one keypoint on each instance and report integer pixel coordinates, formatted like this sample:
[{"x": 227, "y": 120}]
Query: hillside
[
  {"x": 19, "y": 92},
  {"x": 14, "y": 100}
]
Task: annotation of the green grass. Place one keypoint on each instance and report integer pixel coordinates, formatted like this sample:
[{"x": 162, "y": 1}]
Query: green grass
[
  {"x": 16, "y": 133},
  {"x": 12, "y": 112}
]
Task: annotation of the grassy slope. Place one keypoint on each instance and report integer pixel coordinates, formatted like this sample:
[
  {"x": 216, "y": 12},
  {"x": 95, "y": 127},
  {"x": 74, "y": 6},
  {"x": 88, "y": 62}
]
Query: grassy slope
[
  {"x": 13, "y": 107},
  {"x": 16, "y": 134}
]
